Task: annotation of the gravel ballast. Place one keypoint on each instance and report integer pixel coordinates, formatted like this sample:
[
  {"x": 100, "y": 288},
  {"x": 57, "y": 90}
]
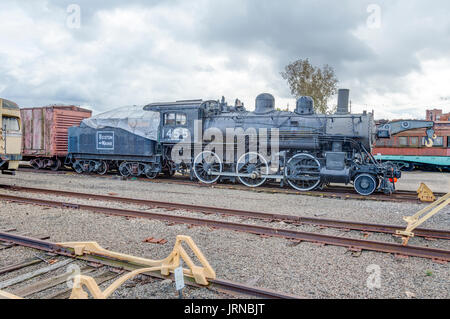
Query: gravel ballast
[{"x": 364, "y": 211}]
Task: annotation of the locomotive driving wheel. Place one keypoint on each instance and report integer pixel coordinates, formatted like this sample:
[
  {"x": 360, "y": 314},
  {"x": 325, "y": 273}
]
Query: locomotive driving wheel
[
  {"x": 255, "y": 165},
  {"x": 205, "y": 163},
  {"x": 302, "y": 172}
]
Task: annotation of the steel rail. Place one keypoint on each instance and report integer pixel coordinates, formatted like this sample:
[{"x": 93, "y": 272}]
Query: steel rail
[
  {"x": 220, "y": 284},
  {"x": 35, "y": 243},
  {"x": 351, "y": 243},
  {"x": 338, "y": 192},
  {"x": 297, "y": 220}
]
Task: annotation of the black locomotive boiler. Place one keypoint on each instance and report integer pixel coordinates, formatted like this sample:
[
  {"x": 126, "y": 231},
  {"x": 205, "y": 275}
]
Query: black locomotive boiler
[{"x": 214, "y": 141}]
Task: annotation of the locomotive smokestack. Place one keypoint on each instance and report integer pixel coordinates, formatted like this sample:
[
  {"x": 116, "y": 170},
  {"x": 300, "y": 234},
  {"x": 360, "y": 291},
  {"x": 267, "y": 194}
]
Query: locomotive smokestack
[{"x": 343, "y": 98}]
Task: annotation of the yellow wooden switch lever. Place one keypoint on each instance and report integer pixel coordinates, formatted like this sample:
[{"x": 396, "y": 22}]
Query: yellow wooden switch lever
[
  {"x": 166, "y": 266},
  {"x": 421, "y": 216}
]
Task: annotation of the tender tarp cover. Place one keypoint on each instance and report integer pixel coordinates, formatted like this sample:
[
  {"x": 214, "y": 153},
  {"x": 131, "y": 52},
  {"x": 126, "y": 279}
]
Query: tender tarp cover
[{"x": 130, "y": 118}]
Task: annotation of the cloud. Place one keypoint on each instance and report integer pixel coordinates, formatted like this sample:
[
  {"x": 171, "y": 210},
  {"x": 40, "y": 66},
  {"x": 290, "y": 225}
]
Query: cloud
[{"x": 137, "y": 52}]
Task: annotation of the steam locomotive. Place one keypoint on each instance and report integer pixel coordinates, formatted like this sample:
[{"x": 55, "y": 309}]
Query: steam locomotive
[{"x": 213, "y": 141}]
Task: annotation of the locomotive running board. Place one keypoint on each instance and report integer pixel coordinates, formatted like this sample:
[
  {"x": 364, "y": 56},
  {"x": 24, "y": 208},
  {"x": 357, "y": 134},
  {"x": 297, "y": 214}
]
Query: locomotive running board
[{"x": 246, "y": 175}]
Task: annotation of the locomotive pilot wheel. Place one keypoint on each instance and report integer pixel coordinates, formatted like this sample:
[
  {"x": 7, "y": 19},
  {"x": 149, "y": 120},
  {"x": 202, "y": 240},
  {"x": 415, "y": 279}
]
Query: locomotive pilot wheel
[
  {"x": 302, "y": 172},
  {"x": 254, "y": 164},
  {"x": 205, "y": 163},
  {"x": 365, "y": 184}
]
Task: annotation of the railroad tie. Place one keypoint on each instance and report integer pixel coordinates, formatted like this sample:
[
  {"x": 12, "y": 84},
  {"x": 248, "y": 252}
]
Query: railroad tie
[{"x": 24, "y": 277}]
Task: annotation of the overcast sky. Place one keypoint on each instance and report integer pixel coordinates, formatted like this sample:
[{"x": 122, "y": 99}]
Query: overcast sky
[{"x": 394, "y": 56}]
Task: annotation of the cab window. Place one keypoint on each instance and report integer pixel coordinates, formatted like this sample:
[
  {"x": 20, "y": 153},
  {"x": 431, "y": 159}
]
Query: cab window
[
  {"x": 174, "y": 119},
  {"x": 181, "y": 119},
  {"x": 169, "y": 119},
  {"x": 10, "y": 123}
]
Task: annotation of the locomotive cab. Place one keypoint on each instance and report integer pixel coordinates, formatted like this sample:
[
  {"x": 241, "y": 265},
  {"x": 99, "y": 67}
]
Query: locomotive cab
[{"x": 177, "y": 119}]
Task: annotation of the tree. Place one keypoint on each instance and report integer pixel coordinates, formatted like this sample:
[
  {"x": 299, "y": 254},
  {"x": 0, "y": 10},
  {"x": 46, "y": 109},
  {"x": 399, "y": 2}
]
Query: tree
[{"x": 305, "y": 79}]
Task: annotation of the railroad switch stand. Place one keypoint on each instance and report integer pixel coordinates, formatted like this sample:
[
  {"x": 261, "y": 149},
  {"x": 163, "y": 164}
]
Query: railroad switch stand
[
  {"x": 200, "y": 274},
  {"x": 425, "y": 194},
  {"x": 421, "y": 216}
]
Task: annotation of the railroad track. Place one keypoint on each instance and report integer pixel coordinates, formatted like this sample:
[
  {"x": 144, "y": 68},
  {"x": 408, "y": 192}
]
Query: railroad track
[
  {"x": 336, "y": 192},
  {"x": 296, "y": 220},
  {"x": 118, "y": 266},
  {"x": 350, "y": 243}
]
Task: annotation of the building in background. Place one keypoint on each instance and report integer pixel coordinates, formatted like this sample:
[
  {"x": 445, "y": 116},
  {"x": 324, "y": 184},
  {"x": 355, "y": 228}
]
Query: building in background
[{"x": 436, "y": 115}]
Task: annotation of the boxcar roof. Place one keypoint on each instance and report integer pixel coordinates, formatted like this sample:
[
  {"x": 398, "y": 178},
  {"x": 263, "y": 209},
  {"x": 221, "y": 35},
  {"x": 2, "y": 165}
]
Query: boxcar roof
[{"x": 60, "y": 107}]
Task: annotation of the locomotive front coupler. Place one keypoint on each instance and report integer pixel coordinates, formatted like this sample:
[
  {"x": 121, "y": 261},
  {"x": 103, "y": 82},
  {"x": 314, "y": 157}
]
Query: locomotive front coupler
[{"x": 387, "y": 186}]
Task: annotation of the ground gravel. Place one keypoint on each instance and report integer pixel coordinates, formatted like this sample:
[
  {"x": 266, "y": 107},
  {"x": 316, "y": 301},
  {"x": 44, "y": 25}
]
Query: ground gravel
[{"x": 364, "y": 211}]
